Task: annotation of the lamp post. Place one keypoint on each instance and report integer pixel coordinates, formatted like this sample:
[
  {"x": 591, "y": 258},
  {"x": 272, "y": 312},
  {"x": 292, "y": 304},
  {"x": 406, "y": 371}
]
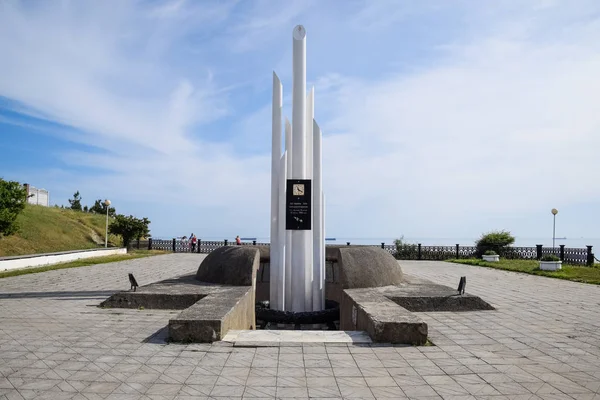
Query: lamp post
[
  {"x": 107, "y": 204},
  {"x": 554, "y": 212}
]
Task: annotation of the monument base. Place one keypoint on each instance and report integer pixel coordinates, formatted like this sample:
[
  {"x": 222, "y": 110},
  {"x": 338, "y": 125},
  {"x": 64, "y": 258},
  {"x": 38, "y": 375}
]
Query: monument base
[
  {"x": 219, "y": 297},
  {"x": 266, "y": 317},
  {"x": 366, "y": 292},
  {"x": 373, "y": 296}
]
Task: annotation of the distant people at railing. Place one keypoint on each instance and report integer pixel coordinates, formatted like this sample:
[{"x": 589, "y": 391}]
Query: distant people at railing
[
  {"x": 184, "y": 243},
  {"x": 238, "y": 241},
  {"x": 194, "y": 240}
]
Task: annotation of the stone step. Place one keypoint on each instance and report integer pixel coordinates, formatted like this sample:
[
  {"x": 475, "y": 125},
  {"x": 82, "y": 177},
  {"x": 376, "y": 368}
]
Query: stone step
[{"x": 278, "y": 337}]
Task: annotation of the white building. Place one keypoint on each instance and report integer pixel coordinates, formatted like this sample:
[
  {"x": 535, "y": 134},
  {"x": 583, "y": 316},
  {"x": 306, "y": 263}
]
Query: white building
[{"x": 40, "y": 197}]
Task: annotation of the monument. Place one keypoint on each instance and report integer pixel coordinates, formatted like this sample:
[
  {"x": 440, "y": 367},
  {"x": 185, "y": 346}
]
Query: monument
[
  {"x": 365, "y": 289},
  {"x": 297, "y": 269}
]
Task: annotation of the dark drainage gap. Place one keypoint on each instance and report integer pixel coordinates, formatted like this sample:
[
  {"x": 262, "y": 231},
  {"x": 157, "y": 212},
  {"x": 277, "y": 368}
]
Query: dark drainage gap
[
  {"x": 152, "y": 301},
  {"x": 328, "y": 319},
  {"x": 443, "y": 303}
]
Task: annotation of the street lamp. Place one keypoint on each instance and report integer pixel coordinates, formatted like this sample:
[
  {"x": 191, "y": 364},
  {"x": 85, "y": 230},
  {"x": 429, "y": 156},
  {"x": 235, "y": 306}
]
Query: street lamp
[
  {"x": 554, "y": 212},
  {"x": 107, "y": 204}
]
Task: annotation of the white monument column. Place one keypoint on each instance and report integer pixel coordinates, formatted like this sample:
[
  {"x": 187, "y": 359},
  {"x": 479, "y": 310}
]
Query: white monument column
[
  {"x": 309, "y": 268},
  {"x": 317, "y": 217},
  {"x": 276, "y": 277},
  {"x": 288, "y": 234},
  {"x": 310, "y": 115},
  {"x": 323, "y": 253},
  {"x": 299, "y": 261},
  {"x": 281, "y": 240}
]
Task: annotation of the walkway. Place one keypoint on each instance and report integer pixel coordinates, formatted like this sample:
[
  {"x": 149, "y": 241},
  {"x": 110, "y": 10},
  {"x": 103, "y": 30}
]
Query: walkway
[{"x": 543, "y": 342}]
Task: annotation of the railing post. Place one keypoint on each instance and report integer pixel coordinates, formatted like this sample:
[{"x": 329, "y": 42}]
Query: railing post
[
  {"x": 254, "y": 243},
  {"x": 149, "y": 243},
  {"x": 174, "y": 245},
  {"x": 590, "y": 256},
  {"x": 347, "y": 243},
  {"x": 457, "y": 251},
  {"x": 538, "y": 248},
  {"x": 419, "y": 251},
  {"x": 225, "y": 242},
  {"x": 383, "y": 245},
  {"x": 562, "y": 252},
  {"x": 199, "y": 244}
]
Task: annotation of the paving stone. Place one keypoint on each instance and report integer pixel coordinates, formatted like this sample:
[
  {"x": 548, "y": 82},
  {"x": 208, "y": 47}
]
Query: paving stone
[
  {"x": 296, "y": 392},
  {"x": 380, "y": 381},
  {"x": 356, "y": 392},
  {"x": 388, "y": 392},
  {"x": 541, "y": 342},
  {"x": 291, "y": 381},
  {"x": 351, "y": 382},
  {"x": 260, "y": 392},
  {"x": 227, "y": 391},
  {"x": 323, "y": 392}
]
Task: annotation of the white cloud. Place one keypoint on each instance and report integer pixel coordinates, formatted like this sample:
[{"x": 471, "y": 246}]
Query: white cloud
[
  {"x": 494, "y": 122},
  {"x": 507, "y": 125},
  {"x": 256, "y": 28}
]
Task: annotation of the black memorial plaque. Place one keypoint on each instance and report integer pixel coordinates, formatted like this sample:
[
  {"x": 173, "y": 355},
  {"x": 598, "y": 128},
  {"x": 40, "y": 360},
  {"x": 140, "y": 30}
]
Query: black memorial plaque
[{"x": 297, "y": 205}]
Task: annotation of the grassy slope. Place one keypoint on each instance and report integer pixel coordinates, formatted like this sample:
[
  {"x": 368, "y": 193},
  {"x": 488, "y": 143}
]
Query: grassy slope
[
  {"x": 49, "y": 229},
  {"x": 568, "y": 272}
]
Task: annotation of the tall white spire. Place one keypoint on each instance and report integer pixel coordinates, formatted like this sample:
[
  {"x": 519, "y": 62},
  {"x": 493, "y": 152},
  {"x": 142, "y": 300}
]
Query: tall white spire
[{"x": 297, "y": 253}]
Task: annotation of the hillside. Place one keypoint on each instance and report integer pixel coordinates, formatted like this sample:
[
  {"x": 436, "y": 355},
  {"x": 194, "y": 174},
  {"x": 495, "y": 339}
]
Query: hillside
[{"x": 50, "y": 229}]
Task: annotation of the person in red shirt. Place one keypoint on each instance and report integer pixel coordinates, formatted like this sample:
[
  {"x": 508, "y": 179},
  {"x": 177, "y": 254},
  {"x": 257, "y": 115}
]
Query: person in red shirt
[
  {"x": 194, "y": 241},
  {"x": 238, "y": 241}
]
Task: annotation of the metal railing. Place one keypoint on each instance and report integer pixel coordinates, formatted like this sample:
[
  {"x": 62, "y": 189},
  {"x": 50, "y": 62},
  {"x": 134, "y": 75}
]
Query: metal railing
[{"x": 576, "y": 256}]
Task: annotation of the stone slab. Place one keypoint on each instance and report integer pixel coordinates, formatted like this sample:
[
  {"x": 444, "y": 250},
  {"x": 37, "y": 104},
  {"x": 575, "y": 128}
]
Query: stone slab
[
  {"x": 384, "y": 320},
  {"x": 276, "y": 338},
  {"x": 170, "y": 294},
  {"x": 209, "y": 310},
  {"x": 211, "y": 318},
  {"x": 386, "y": 313},
  {"x": 420, "y": 295}
]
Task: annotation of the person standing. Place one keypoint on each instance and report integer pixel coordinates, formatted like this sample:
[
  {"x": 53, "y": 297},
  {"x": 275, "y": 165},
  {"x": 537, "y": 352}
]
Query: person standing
[
  {"x": 184, "y": 244},
  {"x": 238, "y": 241},
  {"x": 194, "y": 241}
]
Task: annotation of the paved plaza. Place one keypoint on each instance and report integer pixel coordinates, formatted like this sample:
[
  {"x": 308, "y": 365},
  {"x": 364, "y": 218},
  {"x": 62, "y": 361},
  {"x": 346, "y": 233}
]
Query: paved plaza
[{"x": 542, "y": 342}]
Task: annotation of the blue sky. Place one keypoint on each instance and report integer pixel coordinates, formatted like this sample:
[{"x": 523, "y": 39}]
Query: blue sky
[{"x": 440, "y": 119}]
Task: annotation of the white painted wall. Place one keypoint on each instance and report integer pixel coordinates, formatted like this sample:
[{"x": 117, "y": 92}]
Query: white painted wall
[
  {"x": 39, "y": 197},
  {"x": 17, "y": 262}
]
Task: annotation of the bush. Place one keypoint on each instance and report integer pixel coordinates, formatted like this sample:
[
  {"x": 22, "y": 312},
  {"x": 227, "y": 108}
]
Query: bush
[
  {"x": 100, "y": 208},
  {"x": 75, "y": 202},
  {"x": 490, "y": 253},
  {"x": 550, "y": 257},
  {"x": 405, "y": 251},
  {"x": 129, "y": 228},
  {"x": 497, "y": 241},
  {"x": 13, "y": 197}
]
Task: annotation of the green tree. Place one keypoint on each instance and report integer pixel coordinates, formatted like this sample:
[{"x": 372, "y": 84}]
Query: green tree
[
  {"x": 129, "y": 228},
  {"x": 13, "y": 198},
  {"x": 76, "y": 201},
  {"x": 100, "y": 208},
  {"x": 405, "y": 251},
  {"x": 498, "y": 241}
]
